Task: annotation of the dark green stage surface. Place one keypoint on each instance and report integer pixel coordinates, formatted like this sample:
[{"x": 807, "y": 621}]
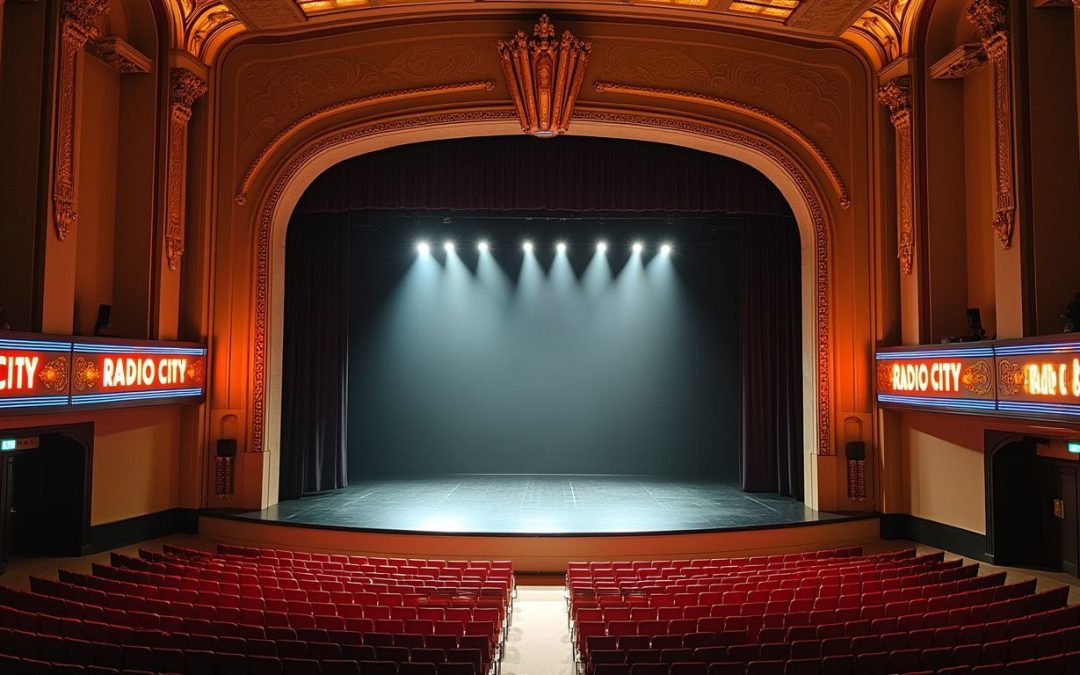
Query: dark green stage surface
[{"x": 541, "y": 505}]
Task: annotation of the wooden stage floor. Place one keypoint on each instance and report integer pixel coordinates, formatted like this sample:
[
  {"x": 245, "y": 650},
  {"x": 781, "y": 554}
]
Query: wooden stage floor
[{"x": 564, "y": 505}]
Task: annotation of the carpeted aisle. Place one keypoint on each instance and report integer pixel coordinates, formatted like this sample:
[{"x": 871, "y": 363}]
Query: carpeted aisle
[{"x": 539, "y": 639}]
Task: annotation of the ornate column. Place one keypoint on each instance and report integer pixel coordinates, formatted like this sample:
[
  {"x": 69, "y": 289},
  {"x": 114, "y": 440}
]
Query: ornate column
[
  {"x": 186, "y": 88},
  {"x": 896, "y": 96},
  {"x": 990, "y": 18},
  {"x": 78, "y": 24}
]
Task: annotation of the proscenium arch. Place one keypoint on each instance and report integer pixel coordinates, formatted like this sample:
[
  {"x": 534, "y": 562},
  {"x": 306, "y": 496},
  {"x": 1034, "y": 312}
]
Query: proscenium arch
[{"x": 276, "y": 205}]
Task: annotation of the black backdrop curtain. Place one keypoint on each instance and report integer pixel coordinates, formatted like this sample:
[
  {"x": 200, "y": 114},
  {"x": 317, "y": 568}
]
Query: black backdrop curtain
[
  {"x": 771, "y": 358},
  {"x": 522, "y": 174},
  {"x": 315, "y": 373},
  {"x": 512, "y": 173}
]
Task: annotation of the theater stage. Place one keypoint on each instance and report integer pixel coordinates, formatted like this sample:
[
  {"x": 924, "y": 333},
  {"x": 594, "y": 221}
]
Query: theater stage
[
  {"x": 541, "y": 522},
  {"x": 541, "y": 504}
]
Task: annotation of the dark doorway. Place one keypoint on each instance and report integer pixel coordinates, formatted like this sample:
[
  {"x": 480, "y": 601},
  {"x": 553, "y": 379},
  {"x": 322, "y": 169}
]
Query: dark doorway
[
  {"x": 1058, "y": 503},
  {"x": 1014, "y": 535},
  {"x": 44, "y": 493}
]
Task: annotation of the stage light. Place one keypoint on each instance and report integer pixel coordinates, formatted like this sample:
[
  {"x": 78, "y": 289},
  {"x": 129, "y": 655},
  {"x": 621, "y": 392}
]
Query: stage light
[
  {"x": 665, "y": 248},
  {"x": 601, "y": 246},
  {"x": 482, "y": 247},
  {"x": 561, "y": 247},
  {"x": 448, "y": 247},
  {"x": 527, "y": 246},
  {"x": 423, "y": 248},
  {"x": 638, "y": 247}
]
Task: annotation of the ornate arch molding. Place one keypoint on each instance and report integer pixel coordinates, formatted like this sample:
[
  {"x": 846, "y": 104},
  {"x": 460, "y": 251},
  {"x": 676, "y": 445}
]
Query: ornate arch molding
[{"x": 808, "y": 190}]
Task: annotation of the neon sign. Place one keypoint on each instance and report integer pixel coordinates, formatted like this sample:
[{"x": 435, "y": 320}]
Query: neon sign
[
  {"x": 43, "y": 372},
  {"x": 1033, "y": 378},
  {"x": 961, "y": 378},
  {"x": 33, "y": 373},
  {"x": 1040, "y": 378}
]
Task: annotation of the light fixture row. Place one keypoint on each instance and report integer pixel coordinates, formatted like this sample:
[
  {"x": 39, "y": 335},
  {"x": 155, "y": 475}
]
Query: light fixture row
[{"x": 423, "y": 247}]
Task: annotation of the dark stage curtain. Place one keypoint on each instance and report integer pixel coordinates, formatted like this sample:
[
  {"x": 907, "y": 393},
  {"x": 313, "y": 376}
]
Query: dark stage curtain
[
  {"x": 511, "y": 173},
  {"x": 771, "y": 358},
  {"x": 315, "y": 373}
]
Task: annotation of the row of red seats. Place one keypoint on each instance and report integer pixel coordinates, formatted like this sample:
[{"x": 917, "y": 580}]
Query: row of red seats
[
  {"x": 146, "y": 657},
  {"x": 274, "y": 576},
  {"x": 247, "y": 551},
  {"x": 823, "y": 554},
  {"x": 845, "y": 578},
  {"x": 940, "y": 643},
  {"x": 299, "y": 559},
  {"x": 634, "y": 571},
  {"x": 208, "y": 663},
  {"x": 857, "y": 569},
  {"x": 755, "y": 589},
  {"x": 910, "y": 662},
  {"x": 257, "y": 597},
  {"x": 349, "y": 604},
  {"x": 224, "y": 569},
  {"x": 790, "y": 602}
]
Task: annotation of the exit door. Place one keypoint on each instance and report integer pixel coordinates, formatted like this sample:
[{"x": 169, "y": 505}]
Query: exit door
[
  {"x": 1061, "y": 526},
  {"x": 43, "y": 505}
]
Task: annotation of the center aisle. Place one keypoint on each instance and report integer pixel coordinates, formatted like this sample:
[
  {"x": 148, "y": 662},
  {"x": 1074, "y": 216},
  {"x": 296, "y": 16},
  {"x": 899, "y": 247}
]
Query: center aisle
[{"x": 539, "y": 639}]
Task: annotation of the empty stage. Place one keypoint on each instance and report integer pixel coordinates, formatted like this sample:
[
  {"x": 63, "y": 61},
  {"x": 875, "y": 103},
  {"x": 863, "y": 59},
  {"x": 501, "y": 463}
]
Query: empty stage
[{"x": 540, "y": 522}]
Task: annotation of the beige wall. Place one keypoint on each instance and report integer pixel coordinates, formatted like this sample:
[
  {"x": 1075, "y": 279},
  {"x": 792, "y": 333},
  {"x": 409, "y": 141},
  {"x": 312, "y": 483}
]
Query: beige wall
[
  {"x": 943, "y": 470},
  {"x": 136, "y": 458}
]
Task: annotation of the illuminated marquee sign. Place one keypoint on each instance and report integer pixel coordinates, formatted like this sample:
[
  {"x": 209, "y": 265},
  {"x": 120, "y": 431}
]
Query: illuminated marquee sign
[
  {"x": 961, "y": 378},
  {"x": 38, "y": 373},
  {"x": 33, "y": 373},
  {"x": 1041, "y": 378},
  {"x": 1036, "y": 378}
]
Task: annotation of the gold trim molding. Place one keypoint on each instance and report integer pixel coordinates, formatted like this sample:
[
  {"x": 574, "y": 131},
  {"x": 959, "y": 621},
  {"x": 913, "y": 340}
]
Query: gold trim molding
[
  {"x": 78, "y": 25},
  {"x": 959, "y": 63},
  {"x": 737, "y": 106},
  {"x": 348, "y": 105},
  {"x": 809, "y": 193},
  {"x": 896, "y": 96},
  {"x": 990, "y": 18},
  {"x": 120, "y": 55},
  {"x": 186, "y": 88}
]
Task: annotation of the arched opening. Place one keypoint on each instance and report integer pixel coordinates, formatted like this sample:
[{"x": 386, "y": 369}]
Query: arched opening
[
  {"x": 44, "y": 491},
  {"x": 785, "y": 172},
  {"x": 796, "y": 183},
  {"x": 1012, "y": 501},
  {"x": 544, "y": 330}
]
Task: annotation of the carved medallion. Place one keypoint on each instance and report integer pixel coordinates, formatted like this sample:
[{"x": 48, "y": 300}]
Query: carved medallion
[{"x": 544, "y": 77}]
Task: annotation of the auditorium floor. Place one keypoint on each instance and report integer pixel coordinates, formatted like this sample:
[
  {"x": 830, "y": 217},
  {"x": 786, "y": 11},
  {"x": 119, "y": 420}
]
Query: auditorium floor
[
  {"x": 538, "y": 642},
  {"x": 541, "y": 504}
]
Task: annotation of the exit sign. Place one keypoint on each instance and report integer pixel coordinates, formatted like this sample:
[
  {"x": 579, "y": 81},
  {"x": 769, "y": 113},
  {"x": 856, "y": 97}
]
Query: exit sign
[{"x": 13, "y": 444}]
